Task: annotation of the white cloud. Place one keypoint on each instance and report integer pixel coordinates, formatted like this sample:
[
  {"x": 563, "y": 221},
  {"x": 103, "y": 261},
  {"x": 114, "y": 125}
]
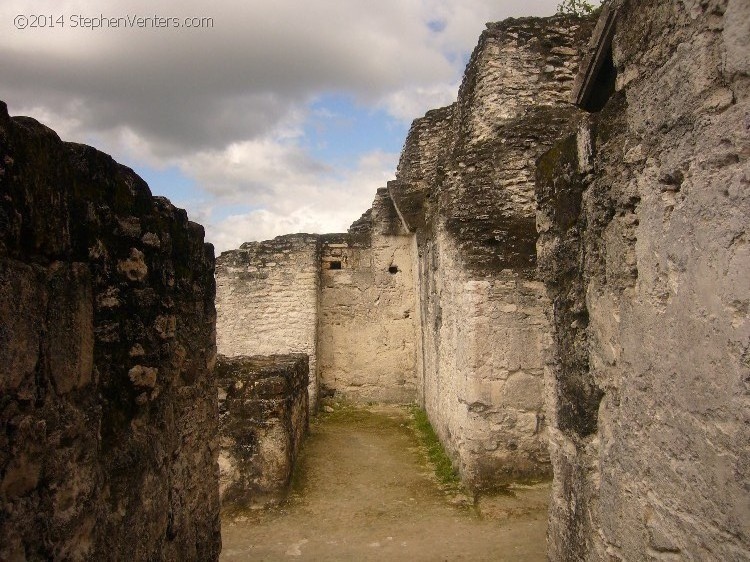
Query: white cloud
[
  {"x": 409, "y": 103},
  {"x": 195, "y": 89},
  {"x": 306, "y": 201},
  {"x": 227, "y": 105}
]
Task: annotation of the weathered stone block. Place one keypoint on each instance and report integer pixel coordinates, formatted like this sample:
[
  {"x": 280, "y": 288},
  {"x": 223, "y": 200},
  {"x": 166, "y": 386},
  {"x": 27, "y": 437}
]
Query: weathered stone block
[{"x": 263, "y": 413}]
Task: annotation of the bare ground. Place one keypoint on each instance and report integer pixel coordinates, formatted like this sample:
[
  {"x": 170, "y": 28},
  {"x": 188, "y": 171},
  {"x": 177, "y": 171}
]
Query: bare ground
[{"x": 364, "y": 490}]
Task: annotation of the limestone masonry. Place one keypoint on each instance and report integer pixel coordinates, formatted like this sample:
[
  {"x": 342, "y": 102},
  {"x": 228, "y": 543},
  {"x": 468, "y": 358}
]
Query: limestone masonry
[
  {"x": 263, "y": 418},
  {"x": 643, "y": 218},
  {"x": 432, "y": 296},
  {"x": 107, "y": 397},
  {"x": 559, "y": 275},
  {"x": 367, "y": 310}
]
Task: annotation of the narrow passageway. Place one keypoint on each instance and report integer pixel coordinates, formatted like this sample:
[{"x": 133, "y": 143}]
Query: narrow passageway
[{"x": 364, "y": 490}]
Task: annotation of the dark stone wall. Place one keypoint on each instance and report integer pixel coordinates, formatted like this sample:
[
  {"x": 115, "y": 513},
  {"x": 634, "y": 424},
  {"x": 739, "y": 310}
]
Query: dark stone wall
[
  {"x": 107, "y": 397},
  {"x": 263, "y": 412},
  {"x": 512, "y": 105},
  {"x": 575, "y": 403}
]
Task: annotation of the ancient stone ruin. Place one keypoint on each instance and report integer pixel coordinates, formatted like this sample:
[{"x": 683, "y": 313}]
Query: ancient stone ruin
[
  {"x": 632, "y": 364},
  {"x": 558, "y": 275},
  {"x": 108, "y": 400},
  {"x": 432, "y": 295},
  {"x": 263, "y": 417}
]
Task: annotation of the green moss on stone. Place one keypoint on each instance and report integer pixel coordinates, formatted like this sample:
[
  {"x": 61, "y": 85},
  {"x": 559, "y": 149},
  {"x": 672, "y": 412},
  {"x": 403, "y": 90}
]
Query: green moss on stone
[{"x": 440, "y": 461}]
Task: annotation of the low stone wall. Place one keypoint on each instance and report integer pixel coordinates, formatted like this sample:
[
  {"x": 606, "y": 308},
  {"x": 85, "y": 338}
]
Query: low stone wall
[
  {"x": 263, "y": 418},
  {"x": 108, "y": 406}
]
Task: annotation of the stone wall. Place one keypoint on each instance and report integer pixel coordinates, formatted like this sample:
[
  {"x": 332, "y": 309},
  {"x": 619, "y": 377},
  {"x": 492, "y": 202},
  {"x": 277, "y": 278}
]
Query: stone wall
[
  {"x": 263, "y": 419},
  {"x": 107, "y": 397},
  {"x": 367, "y": 307},
  {"x": 267, "y": 300},
  {"x": 466, "y": 185},
  {"x": 644, "y": 220},
  {"x": 427, "y": 145},
  {"x": 346, "y": 300}
]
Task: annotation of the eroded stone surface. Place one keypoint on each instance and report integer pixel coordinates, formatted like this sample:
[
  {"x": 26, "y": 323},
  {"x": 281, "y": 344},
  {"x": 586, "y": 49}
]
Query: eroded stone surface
[
  {"x": 263, "y": 413},
  {"x": 107, "y": 419},
  {"x": 646, "y": 260},
  {"x": 466, "y": 184}
]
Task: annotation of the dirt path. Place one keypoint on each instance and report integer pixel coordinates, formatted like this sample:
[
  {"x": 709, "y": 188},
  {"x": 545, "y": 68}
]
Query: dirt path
[{"x": 364, "y": 491}]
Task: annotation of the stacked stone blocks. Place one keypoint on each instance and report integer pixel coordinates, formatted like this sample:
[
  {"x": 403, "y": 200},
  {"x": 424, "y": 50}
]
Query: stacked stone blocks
[{"x": 263, "y": 419}]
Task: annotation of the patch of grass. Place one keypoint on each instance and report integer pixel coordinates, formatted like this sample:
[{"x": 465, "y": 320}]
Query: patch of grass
[
  {"x": 440, "y": 461},
  {"x": 342, "y": 412}
]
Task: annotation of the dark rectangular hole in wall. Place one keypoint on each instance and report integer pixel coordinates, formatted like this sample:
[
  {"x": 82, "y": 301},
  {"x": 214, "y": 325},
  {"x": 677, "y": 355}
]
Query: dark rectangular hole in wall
[
  {"x": 393, "y": 269},
  {"x": 604, "y": 85},
  {"x": 334, "y": 265}
]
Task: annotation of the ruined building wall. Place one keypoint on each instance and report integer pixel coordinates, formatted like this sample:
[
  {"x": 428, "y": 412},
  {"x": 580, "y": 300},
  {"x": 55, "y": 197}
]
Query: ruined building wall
[
  {"x": 107, "y": 398},
  {"x": 465, "y": 183},
  {"x": 355, "y": 321},
  {"x": 267, "y": 300},
  {"x": 367, "y": 324},
  {"x": 263, "y": 419},
  {"x": 644, "y": 220}
]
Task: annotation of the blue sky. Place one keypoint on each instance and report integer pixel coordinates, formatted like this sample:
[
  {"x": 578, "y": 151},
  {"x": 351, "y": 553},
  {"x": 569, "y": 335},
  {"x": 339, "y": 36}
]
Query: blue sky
[
  {"x": 281, "y": 116},
  {"x": 339, "y": 129},
  {"x": 336, "y": 132}
]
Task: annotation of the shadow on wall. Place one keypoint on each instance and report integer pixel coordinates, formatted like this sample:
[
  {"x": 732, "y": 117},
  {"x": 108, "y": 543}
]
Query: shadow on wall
[{"x": 107, "y": 447}]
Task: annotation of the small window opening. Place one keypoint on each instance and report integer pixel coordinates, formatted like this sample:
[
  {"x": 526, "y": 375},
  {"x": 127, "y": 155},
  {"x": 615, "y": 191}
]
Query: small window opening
[
  {"x": 598, "y": 72},
  {"x": 393, "y": 269},
  {"x": 604, "y": 85},
  {"x": 334, "y": 265}
]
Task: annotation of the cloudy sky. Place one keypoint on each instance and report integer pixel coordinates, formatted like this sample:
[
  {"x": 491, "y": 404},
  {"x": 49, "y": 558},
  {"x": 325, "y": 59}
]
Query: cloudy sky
[{"x": 280, "y": 116}]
